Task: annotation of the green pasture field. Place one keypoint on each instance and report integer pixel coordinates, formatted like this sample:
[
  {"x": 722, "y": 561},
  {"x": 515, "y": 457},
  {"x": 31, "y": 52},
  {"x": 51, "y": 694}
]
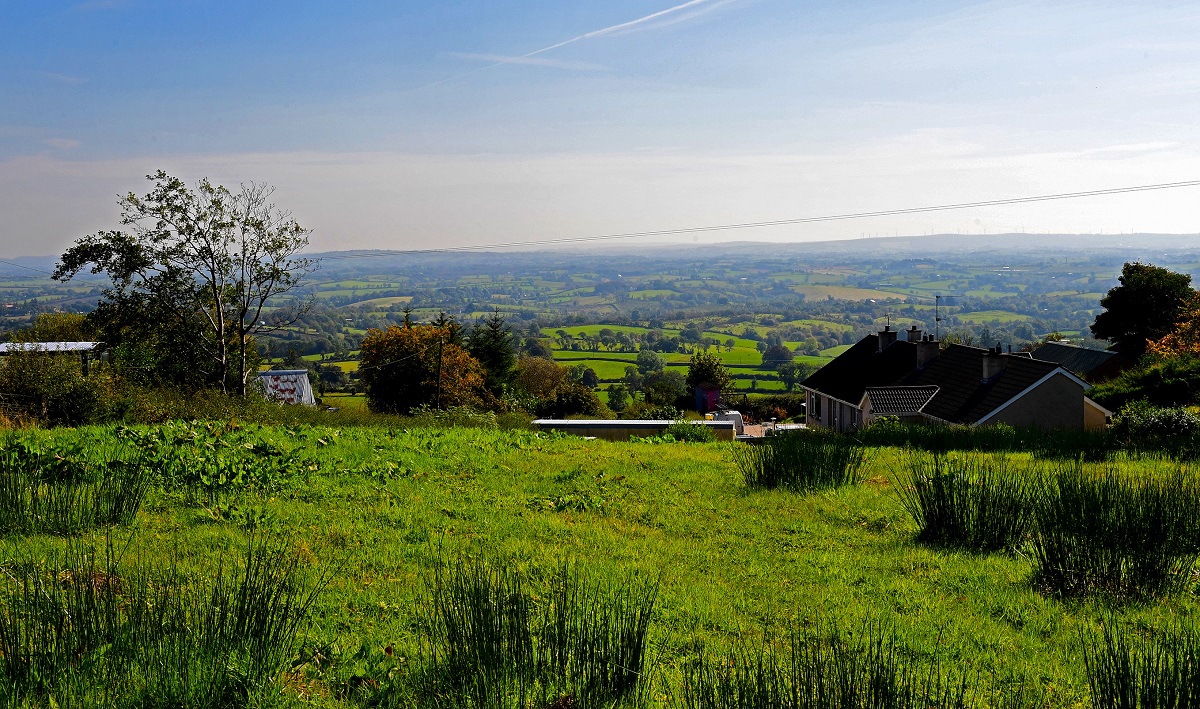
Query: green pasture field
[
  {"x": 1003, "y": 316},
  {"x": 376, "y": 508},
  {"x": 743, "y": 383},
  {"x": 570, "y": 356},
  {"x": 835, "y": 351},
  {"x": 844, "y": 293},
  {"x": 391, "y": 300},
  {"x": 349, "y": 402},
  {"x": 604, "y": 369}
]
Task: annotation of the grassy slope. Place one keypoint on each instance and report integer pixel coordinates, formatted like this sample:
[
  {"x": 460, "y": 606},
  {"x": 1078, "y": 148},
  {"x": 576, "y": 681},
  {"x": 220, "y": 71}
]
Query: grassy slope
[{"x": 732, "y": 562}]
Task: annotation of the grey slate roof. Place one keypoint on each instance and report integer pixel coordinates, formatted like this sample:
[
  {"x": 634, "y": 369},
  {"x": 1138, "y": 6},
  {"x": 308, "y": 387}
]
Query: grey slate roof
[
  {"x": 887, "y": 401},
  {"x": 963, "y": 396},
  {"x": 1079, "y": 360},
  {"x": 955, "y": 377},
  {"x": 850, "y": 373}
]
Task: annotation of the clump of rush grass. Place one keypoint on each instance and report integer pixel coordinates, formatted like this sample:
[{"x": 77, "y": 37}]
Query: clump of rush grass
[
  {"x": 968, "y": 501},
  {"x": 41, "y": 491},
  {"x": 87, "y": 629},
  {"x": 489, "y": 643},
  {"x": 1101, "y": 531},
  {"x": 1130, "y": 671},
  {"x": 821, "y": 670},
  {"x": 803, "y": 460}
]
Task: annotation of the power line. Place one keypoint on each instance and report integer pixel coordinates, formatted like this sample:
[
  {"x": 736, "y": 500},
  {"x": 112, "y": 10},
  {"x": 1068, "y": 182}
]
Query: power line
[
  {"x": 29, "y": 268},
  {"x": 774, "y": 222}
]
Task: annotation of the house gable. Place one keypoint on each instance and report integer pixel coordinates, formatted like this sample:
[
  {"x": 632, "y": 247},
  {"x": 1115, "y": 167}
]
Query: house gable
[{"x": 1054, "y": 401}]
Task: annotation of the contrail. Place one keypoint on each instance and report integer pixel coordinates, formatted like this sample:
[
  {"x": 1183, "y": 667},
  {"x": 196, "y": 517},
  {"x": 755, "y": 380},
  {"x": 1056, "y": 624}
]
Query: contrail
[
  {"x": 622, "y": 26},
  {"x": 587, "y": 35}
]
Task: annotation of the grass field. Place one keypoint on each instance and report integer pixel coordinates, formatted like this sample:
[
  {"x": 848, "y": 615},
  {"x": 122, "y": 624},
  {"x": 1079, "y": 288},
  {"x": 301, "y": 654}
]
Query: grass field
[
  {"x": 379, "y": 507},
  {"x": 1003, "y": 316}
]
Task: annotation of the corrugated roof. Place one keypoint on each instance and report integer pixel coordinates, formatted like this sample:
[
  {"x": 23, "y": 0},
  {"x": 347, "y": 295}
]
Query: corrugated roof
[
  {"x": 9, "y": 347},
  {"x": 887, "y": 401},
  {"x": 850, "y": 373},
  {"x": 1079, "y": 360}
]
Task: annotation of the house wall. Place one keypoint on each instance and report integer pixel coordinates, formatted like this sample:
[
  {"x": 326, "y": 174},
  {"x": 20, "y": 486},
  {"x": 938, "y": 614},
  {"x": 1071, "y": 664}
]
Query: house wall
[
  {"x": 835, "y": 414},
  {"x": 1056, "y": 403},
  {"x": 1094, "y": 417},
  {"x": 816, "y": 410}
]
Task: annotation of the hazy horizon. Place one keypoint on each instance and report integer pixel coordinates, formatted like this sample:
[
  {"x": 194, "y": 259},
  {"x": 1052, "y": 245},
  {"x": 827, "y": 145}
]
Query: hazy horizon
[{"x": 389, "y": 126}]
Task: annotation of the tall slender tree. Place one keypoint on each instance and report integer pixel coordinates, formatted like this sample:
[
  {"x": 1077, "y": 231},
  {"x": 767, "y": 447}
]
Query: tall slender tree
[
  {"x": 491, "y": 342},
  {"x": 208, "y": 257}
]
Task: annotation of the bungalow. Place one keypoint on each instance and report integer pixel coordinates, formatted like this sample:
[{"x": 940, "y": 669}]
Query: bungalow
[
  {"x": 1093, "y": 365},
  {"x": 914, "y": 379}
]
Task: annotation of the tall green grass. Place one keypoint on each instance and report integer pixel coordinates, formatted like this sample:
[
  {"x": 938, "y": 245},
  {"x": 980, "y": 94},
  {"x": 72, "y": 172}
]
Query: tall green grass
[
  {"x": 490, "y": 642},
  {"x": 86, "y": 628},
  {"x": 41, "y": 491},
  {"x": 1126, "y": 670},
  {"x": 821, "y": 670},
  {"x": 969, "y": 501},
  {"x": 1092, "y": 445},
  {"x": 808, "y": 460},
  {"x": 1112, "y": 533}
]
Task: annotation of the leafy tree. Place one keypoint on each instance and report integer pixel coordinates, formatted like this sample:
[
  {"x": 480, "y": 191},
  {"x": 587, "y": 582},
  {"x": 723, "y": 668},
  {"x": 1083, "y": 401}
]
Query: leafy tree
[
  {"x": 50, "y": 387},
  {"x": 664, "y": 388},
  {"x": 332, "y": 377},
  {"x": 400, "y": 366},
  {"x": 538, "y": 348},
  {"x": 556, "y": 391},
  {"x": 792, "y": 373},
  {"x": 692, "y": 332},
  {"x": 618, "y": 397},
  {"x": 648, "y": 362},
  {"x": 707, "y": 368},
  {"x": 1145, "y": 306},
  {"x": 205, "y": 262},
  {"x": 776, "y": 355},
  {"x": 1184, "y": 340},
  {"x": 789, "y": 374},
  {"x": 633, "y": 378},
  {"x": 583, "y": 375},
  {"x": 572, "y": 399},
  {"x": 56, "y": 327},
  {"x": 539, "y": 377},
  {"x": 491, "y": 342}
]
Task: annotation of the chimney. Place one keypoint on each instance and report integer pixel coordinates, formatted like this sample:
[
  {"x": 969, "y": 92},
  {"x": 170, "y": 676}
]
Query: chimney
[
  {"x": 914, "y": 334},
  {"x": 886, "y": 337},
  {"x": 993, "y": 363},
  {"x": 927, "y": 350}
]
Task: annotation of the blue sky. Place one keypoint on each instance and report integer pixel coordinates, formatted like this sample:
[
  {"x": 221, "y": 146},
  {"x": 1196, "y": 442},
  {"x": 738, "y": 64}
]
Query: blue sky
[{"x": 388, "y": 125}]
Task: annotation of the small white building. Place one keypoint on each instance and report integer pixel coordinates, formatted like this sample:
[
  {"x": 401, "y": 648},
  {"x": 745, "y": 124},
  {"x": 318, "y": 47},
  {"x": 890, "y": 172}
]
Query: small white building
[{"x": 289, "y": 386}]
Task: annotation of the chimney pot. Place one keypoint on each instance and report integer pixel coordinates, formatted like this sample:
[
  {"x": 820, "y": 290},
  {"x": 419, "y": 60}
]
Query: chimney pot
[
  {"x": 927, "y": 350},
  {"x": 993, "y": 363},
  {"x": 886, "y": 337}
]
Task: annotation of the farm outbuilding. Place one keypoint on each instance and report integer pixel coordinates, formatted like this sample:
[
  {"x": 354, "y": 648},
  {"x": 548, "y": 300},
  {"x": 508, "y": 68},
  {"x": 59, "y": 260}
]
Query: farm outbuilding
[
  {"x": 85, "y": 350},
  {"x": 289, "y": 386}
]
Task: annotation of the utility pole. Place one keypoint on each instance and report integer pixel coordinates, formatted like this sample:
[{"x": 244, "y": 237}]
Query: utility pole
[{"x": 441, "y": 342}]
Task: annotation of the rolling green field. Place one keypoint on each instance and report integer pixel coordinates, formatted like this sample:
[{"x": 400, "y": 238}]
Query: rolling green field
[{"x": 376, "y": 509}]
